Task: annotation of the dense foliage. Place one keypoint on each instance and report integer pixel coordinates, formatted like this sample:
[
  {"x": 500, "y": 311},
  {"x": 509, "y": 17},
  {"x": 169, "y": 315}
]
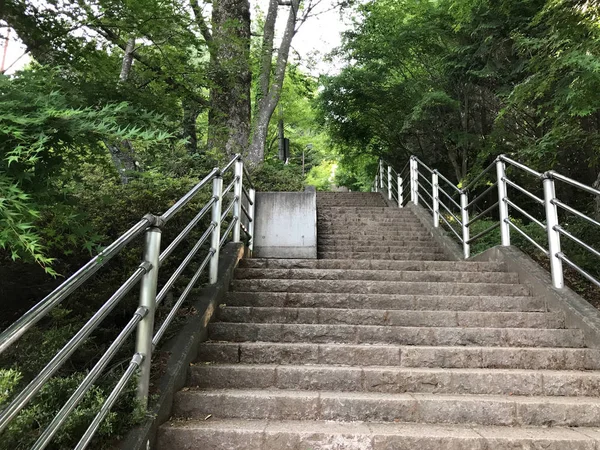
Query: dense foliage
[{"x": 458, "y": 82}]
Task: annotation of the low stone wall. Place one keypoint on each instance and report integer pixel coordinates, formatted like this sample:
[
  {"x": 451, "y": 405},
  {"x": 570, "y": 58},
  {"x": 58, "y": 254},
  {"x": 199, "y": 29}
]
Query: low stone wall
[
  {"x": 286, "y": 225},
  {"x": 578, "y": 312},
  {"x": 182, "y": 350}
]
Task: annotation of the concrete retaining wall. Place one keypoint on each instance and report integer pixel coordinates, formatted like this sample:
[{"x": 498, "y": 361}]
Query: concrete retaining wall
[{"x": 286, "y": 225}]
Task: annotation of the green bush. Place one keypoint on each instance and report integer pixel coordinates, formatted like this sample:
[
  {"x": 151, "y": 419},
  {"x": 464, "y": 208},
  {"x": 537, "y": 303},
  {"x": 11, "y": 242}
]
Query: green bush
[
  {"x": 25, "y": 429},
  {"x": 274, "y": 176}
]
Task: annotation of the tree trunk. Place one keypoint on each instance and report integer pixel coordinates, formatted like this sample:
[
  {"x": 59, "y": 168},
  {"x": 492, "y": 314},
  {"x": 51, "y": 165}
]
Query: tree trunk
[
  {"x": 268, "y": 102},
  {"x": 596, "y": 185},
  {"x": 122, "y": 155},
  {"x": 229, "y": 115},
  {"x": 127, "y": 60},
  {"x": 191, "y": 110}
]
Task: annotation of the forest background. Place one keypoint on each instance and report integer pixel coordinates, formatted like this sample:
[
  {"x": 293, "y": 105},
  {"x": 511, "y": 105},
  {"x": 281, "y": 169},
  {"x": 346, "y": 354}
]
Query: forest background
[{"x": 126, "y": 104}]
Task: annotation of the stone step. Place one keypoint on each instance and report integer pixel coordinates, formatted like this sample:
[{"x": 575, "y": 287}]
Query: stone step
[
  {"x": 389, "y": 234},
  {"x": 354, "y": 247},
  {"x": 379, "y": 287},
  {"x": 387, "y": 301},
  {"x": 396, "y": 380},
  {"x": 374, "y": 239},
  {"x": 401, "y": 356},
  {"x": 368, "y": 209},
  {"x": 403, "y": 318},
  {"x": 321, "y": 220},
  {"x": 378, "y": 407},
  {"x": 356, "y": 219},
  {"x": 236, "y": 434},
  {"x": 405, "y": 256},
  {"x": 386, "y": 216},
  {"x": 356, "y": 202},
  {"x": 368, "y": 227},
  {"x": 469, "y": 266},
  {"x": 368, "y": 334},
  {"x": 379, "y": 275}
]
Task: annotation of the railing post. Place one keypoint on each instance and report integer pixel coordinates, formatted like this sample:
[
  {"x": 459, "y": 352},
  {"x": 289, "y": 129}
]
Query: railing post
[
  {"x": 552, "y": 224},
  {"x": 414, "y": 181},
  {"x": 400, "y": 192},
  {"x": 381, "y": 173},
  {"x": 502, "y": 205},
  {"x": 216, "y": 232},
  {"x": 251, "y": 209},
  {"x": 464, "y": 201},
  {"x": 237, "y": 205},
  {"x": 436, "y": 199},
  {"x": 389, "y": 182},
  {"x": 145, "y": 328}
]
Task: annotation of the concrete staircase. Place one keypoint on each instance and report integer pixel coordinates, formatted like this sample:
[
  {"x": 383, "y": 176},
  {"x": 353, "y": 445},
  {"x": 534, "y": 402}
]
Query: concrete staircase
[{"x": 383, "y": 344}]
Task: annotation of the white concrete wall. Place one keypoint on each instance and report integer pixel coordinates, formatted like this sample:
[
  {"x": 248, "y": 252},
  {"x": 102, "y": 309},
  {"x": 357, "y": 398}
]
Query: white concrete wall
[{"x": 286, "y": 225}]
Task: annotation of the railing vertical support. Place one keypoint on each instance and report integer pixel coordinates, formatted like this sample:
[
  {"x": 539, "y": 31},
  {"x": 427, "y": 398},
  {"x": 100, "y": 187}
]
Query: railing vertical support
[
  {"x": 400, "y": 192},
  {"x": 436, "y": 199},
  {"x": 503, "y": 206},
  {"x": 464, "y": 201},
  {"x": 381, "y": 173},
  {"x": 414, "y": 181},
  {"x": 389, "y": 181},
  {"x": 237, "y": 205},
  {"x": 552, "y": 224},
  {"x": 145, "y": 328},
  {"x": 215, "y": 238},
  {"x": 251, "y": 209}
]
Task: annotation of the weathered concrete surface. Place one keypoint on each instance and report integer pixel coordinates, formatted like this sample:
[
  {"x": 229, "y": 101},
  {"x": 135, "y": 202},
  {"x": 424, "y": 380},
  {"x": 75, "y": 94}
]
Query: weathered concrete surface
[
  {"x": 182, "y": 350},
  {"x": 460, "y": 357},
  {"x": 449, "y": 246},
  {"x": 286, "y": 225},
  {"x": 578, "y": 312},
  {"x": 395, "y": 344},
  {"x": 229, "y": 434}
]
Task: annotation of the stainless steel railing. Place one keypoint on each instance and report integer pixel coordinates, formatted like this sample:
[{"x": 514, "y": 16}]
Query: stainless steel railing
[
  {"x": 452, "y": 206},
  {"x": 239, "y": 212}
]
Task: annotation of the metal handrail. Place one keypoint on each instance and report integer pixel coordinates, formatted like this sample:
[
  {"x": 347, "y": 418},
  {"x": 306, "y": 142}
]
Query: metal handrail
[
  {"x": 504, "y": 202},
  {"x": 525, "y": 213},
  {"x": 424, "y": 178},
  {"x": 563, "y": 258},
  {"x": 483, "y": 233},
  {"x": 572, "y": 182},
  {"x": 425, "y": 166},
  {"x": 451, "y": 228},
  {"x": 481, "y": 215},
  {"x": 482, "y": 174},
  {"x": 451, "y": 213},
  {"x": 449, "y": 197},
  {"x": 573, "y": 211},
  {"x": 523, "y": 191},
  {"x": 450, "y": 183},
  {"x": 526, "y": 236},
  {"x": 37, "y": 312},
  {"x": 424, "y": 202},
  {"x": 518, "y": 165},
  {"x": 143, "y": 318},
  {"x": 190, "y": 195},
  {"x": 483, "y": 194}
]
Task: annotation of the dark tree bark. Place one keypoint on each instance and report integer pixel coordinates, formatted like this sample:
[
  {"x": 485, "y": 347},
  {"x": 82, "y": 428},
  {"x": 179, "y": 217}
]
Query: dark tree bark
[
  {"x": 191, "y": 110},
  {"x": 229, "y": 115}
]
